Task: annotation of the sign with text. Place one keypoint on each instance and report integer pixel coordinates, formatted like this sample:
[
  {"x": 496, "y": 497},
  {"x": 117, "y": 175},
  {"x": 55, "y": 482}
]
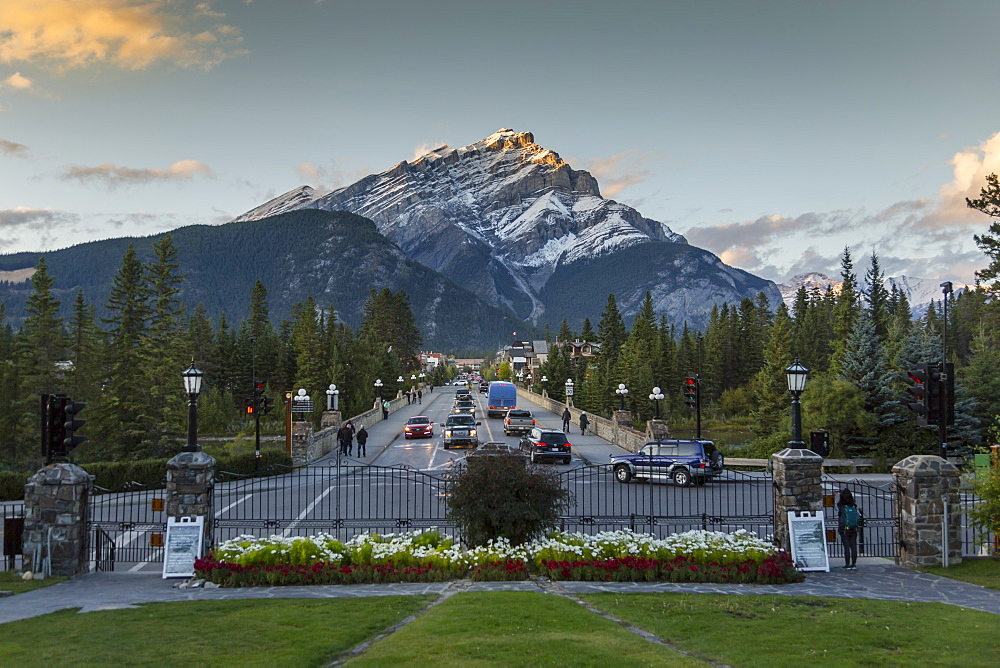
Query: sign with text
[
  {"x": 185, "y": 536},
  {"x": 807, "y": 535}
]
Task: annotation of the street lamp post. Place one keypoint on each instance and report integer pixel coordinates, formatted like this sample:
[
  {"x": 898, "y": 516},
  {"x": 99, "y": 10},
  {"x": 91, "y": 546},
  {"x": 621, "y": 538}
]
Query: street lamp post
[
  {"x": 192, "y": 385},
  {"x": 796, "y": 375},
  {"x": 655, "y": 397},
  {"x": 331, "y": 397},
  {"x": 621, "y": 391},
  {"x": 378, "y": 389},
  {"x": 569, "y": 392}
]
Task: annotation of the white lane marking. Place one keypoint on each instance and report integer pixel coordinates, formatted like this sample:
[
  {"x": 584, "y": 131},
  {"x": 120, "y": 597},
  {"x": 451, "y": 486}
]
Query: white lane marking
[
  {"x": 287, "y": 532},
  {"x": 243, "y": 498}
]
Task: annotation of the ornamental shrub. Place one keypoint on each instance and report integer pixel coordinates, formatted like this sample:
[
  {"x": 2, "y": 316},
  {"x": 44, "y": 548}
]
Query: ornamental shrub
[{"x": 500, "y": 496}]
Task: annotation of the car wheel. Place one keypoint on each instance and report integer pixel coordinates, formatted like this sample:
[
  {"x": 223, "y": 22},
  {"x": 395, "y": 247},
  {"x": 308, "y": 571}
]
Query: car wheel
[
  {"x": 682, "y": 478},
  {"x": 567, "y": 460},
  {"x": 445, "y": 446},
  {"x": 622, "y": 474},
  {"x": 718, "y": 461},
  {"x": 700, "y": 481}
]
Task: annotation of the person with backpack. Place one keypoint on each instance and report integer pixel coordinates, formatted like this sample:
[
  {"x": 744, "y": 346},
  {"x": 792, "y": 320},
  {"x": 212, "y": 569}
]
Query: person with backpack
[
  {"x": 849, "y": 525},
  {"x": 566, "y": 416},
  {"x": 584, "y": 423}
]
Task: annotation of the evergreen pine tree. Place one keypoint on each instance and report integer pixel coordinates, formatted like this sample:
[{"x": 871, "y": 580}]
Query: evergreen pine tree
[
  {"x": 864, "y": 365},
  {"x": 878, "y": 298}
]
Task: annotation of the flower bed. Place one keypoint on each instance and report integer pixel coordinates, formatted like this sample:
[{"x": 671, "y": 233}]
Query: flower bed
[{"x": 428, "y": 556}]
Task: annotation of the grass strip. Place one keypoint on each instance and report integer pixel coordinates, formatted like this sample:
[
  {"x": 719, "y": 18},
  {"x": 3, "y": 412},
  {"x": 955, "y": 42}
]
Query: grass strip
[
  {"x": 802, "y": 630},
  {"x": 515, "y": 629},
  {"x": 11, "y": 581},
  {"x": 984, "y": 571},
  {"x": 274, "y": 632}
]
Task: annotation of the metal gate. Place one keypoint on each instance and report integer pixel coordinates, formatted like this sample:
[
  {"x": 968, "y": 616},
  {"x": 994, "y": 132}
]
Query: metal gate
[
  {"x": 880, "y": 535},
  {"x": 127, "y": 527},
  {"x": 736, "y": 500},
  {"x": 337, "y": 500}
]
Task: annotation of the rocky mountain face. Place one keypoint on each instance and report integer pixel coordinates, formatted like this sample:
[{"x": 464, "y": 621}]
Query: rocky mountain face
[{"x": 512, "y": 222}]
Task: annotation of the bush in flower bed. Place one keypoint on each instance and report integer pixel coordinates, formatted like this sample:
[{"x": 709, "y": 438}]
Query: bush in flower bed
[{"x": 624, "y": 556}]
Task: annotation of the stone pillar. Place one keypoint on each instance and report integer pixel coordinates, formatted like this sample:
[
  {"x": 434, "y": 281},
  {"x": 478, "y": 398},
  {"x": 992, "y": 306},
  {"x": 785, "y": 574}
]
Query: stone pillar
[
  {"x": 923, "y": 484},
  {"x": 622, "y": 419},
  {"x": 330, "y": 419},
  {"x": 56, "y": 512},
  {"x": 301, "y": 436},
  {"x": 657, "y": 430},
  {"x": 190, "y": 481},
  {"x": 798, "y": 485}
]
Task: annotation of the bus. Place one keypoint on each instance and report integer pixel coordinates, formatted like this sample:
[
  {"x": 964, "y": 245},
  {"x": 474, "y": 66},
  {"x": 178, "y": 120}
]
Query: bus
[{"x": 501, "y": 397}]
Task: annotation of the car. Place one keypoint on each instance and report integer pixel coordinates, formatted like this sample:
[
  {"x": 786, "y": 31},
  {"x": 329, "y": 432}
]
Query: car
[
  {"x": 418, "y": 426},
  {"x": 500, "y": 398},
  {"x": 459, "y": 382},
  {"x": 484, "y": 388},
  {"x": 463, "y": 393},
  {"x": 464, "y": 406},
  {"x": 682, "y": 461},
  {"x": 541, "y": 444},
  {"x": 460, "y": 429},
  {"x": 518, "y": 421}
]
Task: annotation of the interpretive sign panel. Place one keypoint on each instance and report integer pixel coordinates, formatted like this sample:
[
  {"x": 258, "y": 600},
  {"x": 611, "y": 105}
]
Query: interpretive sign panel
[
  {"x": 184, "y": 543},
  {"x": 808, "y": 538}
]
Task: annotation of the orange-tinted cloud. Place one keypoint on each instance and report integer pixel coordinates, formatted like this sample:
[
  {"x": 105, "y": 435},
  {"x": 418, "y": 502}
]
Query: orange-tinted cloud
[
  {"x": 132, "y": 34},
  {"x": 17, "y": 82},
  {"x": 13, "y": 148},
  {"x": 113, "y": 176},
  {"x": 618, "y": 172}
]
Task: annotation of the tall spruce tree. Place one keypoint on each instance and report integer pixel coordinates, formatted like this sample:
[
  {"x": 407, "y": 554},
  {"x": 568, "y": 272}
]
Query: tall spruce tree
[
  {"x": 864, "y": 365},
  {"x": 770, "y": 387},
  {"x": 878, "y": 298}
]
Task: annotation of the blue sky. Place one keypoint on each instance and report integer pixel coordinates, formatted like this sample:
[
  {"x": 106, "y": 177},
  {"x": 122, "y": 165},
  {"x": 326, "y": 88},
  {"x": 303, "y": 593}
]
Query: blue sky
[{"x": 771, "y": 133}]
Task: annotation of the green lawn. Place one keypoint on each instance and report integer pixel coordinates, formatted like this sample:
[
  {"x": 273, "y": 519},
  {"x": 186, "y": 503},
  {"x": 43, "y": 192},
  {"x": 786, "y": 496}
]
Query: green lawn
[
  {"x": 515, "y": 629},
  {"x": 797, "y": 631},
  {"x": 11, "y": 581},
  {"x": 984, "y": 572},
  {"x": 512, "y": 629},
  {"x": 282, "y": 632}
]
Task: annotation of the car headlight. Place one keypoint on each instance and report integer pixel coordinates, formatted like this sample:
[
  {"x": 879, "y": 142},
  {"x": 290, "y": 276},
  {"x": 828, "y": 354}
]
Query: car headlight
[
  {"x": 447, "y": 432},
  {"x": 472, "y": 432}
]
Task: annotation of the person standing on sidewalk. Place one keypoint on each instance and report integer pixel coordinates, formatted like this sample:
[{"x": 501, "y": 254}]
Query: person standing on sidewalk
[
  {"x": 584, "y": 423},
  {"x": 362, "y": 437},
  {"x": 848, "y": 525},
  {"x": 566, "y": 418}
]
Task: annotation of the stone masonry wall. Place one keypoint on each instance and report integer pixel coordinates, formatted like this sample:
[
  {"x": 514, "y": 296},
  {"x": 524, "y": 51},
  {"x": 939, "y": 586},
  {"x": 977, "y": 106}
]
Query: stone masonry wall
[
  {"x": 798, "y": 486},
  {"x": 924, "y": 484},
  {"x": 56, "y": 511}
]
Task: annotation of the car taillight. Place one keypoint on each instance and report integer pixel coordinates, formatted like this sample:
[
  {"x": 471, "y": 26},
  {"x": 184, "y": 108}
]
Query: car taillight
[
  {"x": 568, "y": 445},
  {"x": 532, "y": 422}
]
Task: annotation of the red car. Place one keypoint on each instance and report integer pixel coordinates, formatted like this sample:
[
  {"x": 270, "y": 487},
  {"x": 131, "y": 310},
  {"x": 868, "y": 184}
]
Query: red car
[{"x": 419, "y": 426}]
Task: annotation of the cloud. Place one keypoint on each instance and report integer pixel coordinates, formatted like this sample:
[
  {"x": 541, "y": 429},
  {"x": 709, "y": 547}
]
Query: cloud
[
  {"x": 132, "y": 34},
  {"x": 17, "y": 82},
  {"x": 13, "y": 148},
  {"x": 40, "y": 223},
  {"x": 969, "y": 171},
  {"x": 113, "y": 176},
  {"x": 618, "y": 172},
  {"x": 421, "y": 150},
  {"x": 326, "y": 180}
]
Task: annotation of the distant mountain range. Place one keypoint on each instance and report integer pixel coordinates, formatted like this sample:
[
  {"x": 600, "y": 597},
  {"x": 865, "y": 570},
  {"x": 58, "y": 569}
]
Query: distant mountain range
[
  {"x": 919, "y": 291},
  {"x": 335, "y": 257},
  {"x": 515, "y": 224}
]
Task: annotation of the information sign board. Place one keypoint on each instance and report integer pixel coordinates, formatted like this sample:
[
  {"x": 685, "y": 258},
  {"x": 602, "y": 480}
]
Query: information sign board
[
  {"x": 807, "y": 533},
  {"x": 185, "y": 536}
]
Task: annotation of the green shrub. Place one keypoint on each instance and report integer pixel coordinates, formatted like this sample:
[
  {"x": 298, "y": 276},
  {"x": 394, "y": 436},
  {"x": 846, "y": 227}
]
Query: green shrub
[
  {"x": 500, "y": 496},
  {"x": 12, "y": 485}
]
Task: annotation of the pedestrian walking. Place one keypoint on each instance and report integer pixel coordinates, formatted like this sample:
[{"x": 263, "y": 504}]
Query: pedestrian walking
[
  {"x": 566, "y": 418},
  {"x": 344, "y": 437},
  {"x": 385, "y": 409},
  {"x": 849, "y": 526},
  {"x": 362, "y": 437},
  {"x": 584, "y": 423},
  {"x": 408, "y": 399},
  {"x": 420, "y": 397}
]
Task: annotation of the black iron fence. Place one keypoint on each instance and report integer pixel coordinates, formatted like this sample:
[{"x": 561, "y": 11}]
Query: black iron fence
[
  {"x": 12, "y": 528},
  {"x": 337, "y": 500},
  {"x": 127, "y": 527},
  {"x": 879, "y": 535}
]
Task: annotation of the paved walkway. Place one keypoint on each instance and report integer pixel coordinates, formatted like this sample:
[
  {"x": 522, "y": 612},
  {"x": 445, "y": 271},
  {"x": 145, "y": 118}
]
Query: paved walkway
[{"x": 874, "y": 579}]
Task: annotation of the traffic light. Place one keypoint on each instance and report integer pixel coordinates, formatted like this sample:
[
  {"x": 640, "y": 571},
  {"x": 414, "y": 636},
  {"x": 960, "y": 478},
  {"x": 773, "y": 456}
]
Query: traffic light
[
  {"x": 265, "y": 405},
  {"x": 72, "y": 409},
  {"x": 918, "y": 391},
  {"x": 691, "y": 392},
  {"x": 933, "y": 396}
]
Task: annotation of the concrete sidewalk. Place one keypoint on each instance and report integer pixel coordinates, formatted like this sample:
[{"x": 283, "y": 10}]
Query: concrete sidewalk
[{"x": 875, "y": 579}]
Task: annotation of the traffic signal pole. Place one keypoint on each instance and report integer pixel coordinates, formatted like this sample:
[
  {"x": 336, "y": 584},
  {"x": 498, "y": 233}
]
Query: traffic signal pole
[{"x": 946, "y": 288}]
